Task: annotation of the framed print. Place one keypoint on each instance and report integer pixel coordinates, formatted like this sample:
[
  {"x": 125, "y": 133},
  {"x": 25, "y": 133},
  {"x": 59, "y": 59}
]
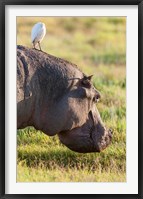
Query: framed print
[{"x": 71, "y": 99}]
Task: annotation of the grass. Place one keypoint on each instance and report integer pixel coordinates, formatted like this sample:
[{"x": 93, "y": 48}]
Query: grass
[{"x": 97, "y": 46}]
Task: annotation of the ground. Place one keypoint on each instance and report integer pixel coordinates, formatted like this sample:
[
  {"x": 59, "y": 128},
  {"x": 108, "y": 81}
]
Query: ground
[{"x": 98, "y": 46}]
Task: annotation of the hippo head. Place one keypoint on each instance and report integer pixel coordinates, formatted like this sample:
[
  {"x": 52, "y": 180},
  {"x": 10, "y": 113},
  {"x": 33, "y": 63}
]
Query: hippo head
[
  {"x": 87, "y": 132},
  {"x": 54, "y": 96}
]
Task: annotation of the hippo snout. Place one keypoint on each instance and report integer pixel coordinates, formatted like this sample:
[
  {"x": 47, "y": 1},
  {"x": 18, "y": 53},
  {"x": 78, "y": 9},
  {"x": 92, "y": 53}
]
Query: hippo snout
[
  {"x": 102, "y": 142},
  {"x": 92, "y": 136}
]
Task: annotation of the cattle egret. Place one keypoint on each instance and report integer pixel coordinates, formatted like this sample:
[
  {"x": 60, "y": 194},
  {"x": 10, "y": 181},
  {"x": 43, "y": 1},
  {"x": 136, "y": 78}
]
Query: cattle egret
[{"x": 37, "y": 34}]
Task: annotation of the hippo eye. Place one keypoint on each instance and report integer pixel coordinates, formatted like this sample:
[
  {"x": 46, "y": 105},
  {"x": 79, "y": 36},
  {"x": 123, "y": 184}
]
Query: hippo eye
[{"x": 96, "y": 98}]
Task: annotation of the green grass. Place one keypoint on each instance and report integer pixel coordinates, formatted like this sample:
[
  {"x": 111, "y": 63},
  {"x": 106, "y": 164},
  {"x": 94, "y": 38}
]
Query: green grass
[
  {"x": 97, "y": 46},
  {"x": 70, "y": 175}
]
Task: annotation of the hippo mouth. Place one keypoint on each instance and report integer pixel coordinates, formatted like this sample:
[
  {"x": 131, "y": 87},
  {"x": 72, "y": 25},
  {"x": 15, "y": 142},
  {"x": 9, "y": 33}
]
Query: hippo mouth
[
  {"x": 99, "y": 135},
  {"x": 92, "y": 136}
]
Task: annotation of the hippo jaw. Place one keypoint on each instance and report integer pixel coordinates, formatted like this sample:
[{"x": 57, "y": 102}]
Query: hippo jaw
[{"x": 92, "y": 136}]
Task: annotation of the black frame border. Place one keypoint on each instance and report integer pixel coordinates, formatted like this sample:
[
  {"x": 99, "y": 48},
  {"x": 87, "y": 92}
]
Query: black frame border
[{"x": 3, "y": 3}]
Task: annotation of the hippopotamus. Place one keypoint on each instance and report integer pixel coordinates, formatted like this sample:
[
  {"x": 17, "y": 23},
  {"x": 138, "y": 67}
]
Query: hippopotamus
[{"x": 54, "y": 96}]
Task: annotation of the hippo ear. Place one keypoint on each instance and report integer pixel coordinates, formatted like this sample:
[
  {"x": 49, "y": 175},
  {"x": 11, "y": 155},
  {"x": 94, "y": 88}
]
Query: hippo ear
[{"x": 90, "y": 77}]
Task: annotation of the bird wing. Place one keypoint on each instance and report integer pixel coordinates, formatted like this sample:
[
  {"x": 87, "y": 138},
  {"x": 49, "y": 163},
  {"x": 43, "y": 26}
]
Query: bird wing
[
  {"x": 37, "y": 33},
  {"x": 34, "y": 32}
]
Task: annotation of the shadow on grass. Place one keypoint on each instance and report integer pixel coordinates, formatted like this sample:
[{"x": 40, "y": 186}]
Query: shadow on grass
[{"x": 53, "y": 159}]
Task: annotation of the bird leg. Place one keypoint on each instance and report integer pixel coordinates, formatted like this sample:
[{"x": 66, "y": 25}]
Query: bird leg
[
  {"x": 34, "y": 46},
  {"x": 39, "y": 46}
]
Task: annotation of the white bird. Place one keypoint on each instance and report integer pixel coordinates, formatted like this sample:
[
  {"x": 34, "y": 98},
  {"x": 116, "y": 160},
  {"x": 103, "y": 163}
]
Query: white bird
[{"x": 37, "y": 34}]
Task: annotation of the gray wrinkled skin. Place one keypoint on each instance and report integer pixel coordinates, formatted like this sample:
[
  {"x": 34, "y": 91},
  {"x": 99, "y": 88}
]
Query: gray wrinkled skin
[{"x": 54, "y": 96}]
